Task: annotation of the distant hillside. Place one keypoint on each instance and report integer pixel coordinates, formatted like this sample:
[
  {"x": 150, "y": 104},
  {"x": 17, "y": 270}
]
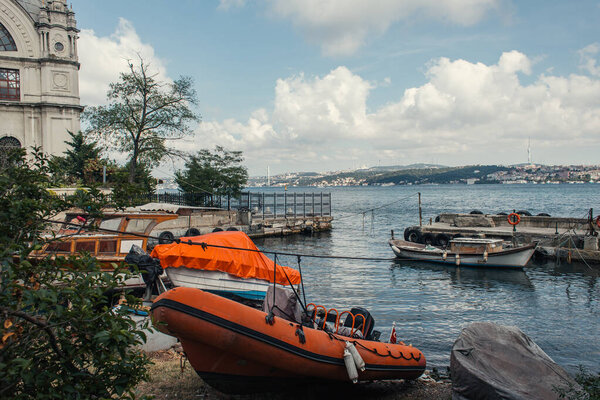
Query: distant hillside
[
  {"x": 437, "y": 175},
  {"x": 403, "y": 167}
]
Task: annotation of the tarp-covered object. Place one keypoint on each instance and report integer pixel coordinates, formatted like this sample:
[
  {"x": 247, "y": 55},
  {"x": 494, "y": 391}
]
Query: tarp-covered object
[
  {"x": 490, "y": 361},
  {"x": 244, "y": 264}
]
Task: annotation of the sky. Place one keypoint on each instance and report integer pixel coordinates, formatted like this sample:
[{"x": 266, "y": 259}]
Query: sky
[{"x": 323, "y": 85}]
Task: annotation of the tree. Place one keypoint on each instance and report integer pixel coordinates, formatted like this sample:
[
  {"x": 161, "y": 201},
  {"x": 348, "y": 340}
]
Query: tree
[
  {"x": 217, "y": 172},
  {"x": 59, "y": 335},
  {"x": 143, "y": 113},
  {"x": 80, "y": 164}
]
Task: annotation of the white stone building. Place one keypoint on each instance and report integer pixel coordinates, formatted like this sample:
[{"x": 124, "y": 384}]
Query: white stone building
[{"x": 39, "y": 74}]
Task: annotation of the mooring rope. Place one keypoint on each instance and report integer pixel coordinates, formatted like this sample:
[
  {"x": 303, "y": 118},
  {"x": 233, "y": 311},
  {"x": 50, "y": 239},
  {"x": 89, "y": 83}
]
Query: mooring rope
[
  {"x": 364, "y": 212},
  {"x": 205, "y": 245}
]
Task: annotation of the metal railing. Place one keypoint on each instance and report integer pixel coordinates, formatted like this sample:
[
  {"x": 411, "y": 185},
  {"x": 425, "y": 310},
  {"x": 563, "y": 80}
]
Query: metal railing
[
  {"x": 262, "y": 205},
  {"x": 284, "y": 205}
]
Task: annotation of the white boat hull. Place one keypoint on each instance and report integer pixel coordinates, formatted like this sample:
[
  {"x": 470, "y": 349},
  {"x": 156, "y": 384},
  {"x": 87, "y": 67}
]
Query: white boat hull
[
  {"x": 219, "y": 282},
  {"x": 509, "y": 258}
]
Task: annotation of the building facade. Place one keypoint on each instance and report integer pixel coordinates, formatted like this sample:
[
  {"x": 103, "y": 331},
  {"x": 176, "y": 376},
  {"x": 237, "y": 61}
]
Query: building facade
[{"x": 39, "y": 75}]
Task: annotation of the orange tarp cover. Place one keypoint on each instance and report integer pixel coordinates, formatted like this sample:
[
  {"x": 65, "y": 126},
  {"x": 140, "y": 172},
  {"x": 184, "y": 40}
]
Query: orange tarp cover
[{"x": 245, "y": 264}]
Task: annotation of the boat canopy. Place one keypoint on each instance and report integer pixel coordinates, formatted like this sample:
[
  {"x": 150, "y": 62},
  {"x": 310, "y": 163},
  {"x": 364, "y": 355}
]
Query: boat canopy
[{"x": 244, "y": 264}]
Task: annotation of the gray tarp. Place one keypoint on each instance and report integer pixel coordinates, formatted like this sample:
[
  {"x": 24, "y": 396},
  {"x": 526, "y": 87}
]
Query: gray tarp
[{"x": 490, "y": 361}]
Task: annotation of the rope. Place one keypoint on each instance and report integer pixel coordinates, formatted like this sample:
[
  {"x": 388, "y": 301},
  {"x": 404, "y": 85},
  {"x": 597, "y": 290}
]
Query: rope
[
  {"x": 374, "y": 351},
  {"x": 364, "y": 212},
  {"x": 205, "y": 245}
]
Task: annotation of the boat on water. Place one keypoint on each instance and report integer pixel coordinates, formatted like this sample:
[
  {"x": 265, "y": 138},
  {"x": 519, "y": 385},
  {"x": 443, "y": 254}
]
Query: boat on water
[
  {"x": 232, "y": 345},
  {"x": 109, "y": 239},
  {"x": 472, "y": 252},
  {"x": 214, "y": 262}
]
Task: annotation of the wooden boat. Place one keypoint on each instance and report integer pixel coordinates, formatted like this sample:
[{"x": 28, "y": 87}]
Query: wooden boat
[
  {"x": 229, "y": 343},
  {"x": 223, "y": 270},
  {"x": 473, "y": 252},
  {"x": 107, "y": 247}
]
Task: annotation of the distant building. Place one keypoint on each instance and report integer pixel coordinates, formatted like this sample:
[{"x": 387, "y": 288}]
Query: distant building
[{"x": 39, "y": 74}]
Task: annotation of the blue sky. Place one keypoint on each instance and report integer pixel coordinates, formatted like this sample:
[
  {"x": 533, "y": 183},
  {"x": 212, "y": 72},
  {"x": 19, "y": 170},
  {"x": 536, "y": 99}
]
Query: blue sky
[{"x": 336, "y": 84}]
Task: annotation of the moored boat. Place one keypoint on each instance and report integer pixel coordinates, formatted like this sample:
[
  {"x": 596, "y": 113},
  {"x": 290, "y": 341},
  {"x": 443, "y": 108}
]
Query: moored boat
[
  {"x": 214, "y": 262},
  {"x": 473, "y": 252},
  {"x": 109, "y": 239},
  {"x": 230, "y": 343}
]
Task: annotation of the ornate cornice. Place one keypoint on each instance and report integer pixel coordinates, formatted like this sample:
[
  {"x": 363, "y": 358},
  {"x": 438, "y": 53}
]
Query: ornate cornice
[{"x": 21, "y": 27}]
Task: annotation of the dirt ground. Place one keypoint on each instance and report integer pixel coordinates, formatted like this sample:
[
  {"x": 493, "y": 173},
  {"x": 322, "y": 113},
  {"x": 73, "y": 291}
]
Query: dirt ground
[{"x": 170, "y": 381}]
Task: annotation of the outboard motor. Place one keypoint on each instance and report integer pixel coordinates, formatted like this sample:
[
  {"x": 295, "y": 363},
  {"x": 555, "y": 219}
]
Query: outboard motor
[
  {"x": 149, "y": 267},
  {"x": 365, "y": 319}
]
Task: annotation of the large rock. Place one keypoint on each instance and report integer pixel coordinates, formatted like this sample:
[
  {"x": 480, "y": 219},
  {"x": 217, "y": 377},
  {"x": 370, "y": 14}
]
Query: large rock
[{"x": 490, "y": 361}]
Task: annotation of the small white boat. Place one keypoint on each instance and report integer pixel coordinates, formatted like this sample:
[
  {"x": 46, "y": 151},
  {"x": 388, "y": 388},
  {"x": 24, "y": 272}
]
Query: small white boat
[
  {"x": 225, "y": 263},
  {"x": 472, "y": 252},
  {"x": 218, "y": 282}
]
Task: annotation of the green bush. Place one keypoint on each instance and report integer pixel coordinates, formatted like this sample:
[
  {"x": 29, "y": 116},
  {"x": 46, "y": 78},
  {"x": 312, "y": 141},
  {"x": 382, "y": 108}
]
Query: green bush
[{"x": 60, "y": 337}]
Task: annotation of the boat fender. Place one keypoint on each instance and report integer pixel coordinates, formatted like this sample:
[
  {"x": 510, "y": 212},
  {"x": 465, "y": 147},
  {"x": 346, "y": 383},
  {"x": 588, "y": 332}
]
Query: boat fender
[
  {"x": 444, "y": 255},
  {"x": 358, "y": 361},
  {"x": 300, "y": 334},
  {"x": 485, "y": 256},
  {"x": 458, "y": 259},
  {"x": 350, "y": 366}
]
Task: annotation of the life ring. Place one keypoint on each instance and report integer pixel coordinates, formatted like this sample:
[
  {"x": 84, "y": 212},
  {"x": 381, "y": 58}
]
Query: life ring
[
  {"x": 598, "y": 221},
  {"x": 513, "y": 218}
]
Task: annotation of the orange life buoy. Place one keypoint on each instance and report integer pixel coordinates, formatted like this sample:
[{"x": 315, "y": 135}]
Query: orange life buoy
[
  {"x": 598, "y": 221},
  {"x": 515, "y": 220}
]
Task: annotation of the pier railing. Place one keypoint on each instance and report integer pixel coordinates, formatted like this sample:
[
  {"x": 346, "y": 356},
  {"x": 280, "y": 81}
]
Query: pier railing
[
  {"x": 283, "y": 205},
  {"x": 263, "y": 205}
]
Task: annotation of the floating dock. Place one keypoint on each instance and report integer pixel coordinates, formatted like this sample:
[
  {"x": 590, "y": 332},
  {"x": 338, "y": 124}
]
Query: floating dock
[{"x": 571, "y": 239}]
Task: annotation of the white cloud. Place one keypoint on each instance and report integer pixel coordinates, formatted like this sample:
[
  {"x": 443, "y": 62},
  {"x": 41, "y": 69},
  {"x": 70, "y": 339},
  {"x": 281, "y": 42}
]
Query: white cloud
[
  {"x": 340, "y": 27},
  {"x": 588, "y": 60},
  {"x": 103, "y": 58},
  {"x": 466, "y": 112},
  {"x": 229, "y": 4}
]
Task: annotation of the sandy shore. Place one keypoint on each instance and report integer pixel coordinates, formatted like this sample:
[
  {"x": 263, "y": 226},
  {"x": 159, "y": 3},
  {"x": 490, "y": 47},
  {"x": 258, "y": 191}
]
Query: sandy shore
[{"x": 170, "y": 381}]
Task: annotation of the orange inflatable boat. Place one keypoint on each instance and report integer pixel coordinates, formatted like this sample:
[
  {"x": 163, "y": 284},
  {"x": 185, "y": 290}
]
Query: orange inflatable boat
[{"x": 229, "y": 343}]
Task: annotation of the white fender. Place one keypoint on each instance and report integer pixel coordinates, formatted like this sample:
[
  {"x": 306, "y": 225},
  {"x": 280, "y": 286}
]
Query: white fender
[
  {"x": 350, "y": 367},
  {"x": 358, "y": 361}
]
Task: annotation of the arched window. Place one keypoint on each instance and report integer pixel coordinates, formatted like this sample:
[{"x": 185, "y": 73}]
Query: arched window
[
  {"x": 7, "y": 43},
  {"x": 7, "y": 145}
]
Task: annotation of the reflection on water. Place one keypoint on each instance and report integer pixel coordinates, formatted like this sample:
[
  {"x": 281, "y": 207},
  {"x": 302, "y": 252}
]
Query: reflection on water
[
  {"x": 471, "y": 277},
  {"x": 557, "y": 305}
]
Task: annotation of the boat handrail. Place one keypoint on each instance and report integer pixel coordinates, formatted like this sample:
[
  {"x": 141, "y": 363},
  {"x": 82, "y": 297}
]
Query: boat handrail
[{"x": 338, "y": 318}]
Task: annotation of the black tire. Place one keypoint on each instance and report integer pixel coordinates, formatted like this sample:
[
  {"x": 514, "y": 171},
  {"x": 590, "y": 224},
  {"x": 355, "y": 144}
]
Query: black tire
[
  {"x": 218, "y": 230},
  {"x": 437, "y": 219},
  {"x": 192, "y": 232},
  {"x": 502, "y": 213},
  {"x": 428, "y": 238},
  {"x": 232, "y": 229},
  {"x": 442, "y": 240},
  {"x": 412, "y": 235},
  {"x": 476, "y": 212},
  {"x": 544, "y": 215},
  {"x": 166, "y": 237},
  {"x": 524, "y": 212}
]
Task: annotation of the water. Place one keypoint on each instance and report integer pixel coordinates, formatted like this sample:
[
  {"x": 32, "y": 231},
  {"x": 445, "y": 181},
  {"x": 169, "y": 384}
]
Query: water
[{"x": 558, "y": 306}]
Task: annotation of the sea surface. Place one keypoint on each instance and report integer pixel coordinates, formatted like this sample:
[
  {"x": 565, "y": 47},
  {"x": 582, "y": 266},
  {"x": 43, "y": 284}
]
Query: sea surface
[{"x": 556, "y": 304}]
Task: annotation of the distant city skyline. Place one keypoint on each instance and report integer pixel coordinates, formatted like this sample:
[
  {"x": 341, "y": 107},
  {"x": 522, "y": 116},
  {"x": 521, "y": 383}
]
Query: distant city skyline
[{"x": 301, "y": 85}]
